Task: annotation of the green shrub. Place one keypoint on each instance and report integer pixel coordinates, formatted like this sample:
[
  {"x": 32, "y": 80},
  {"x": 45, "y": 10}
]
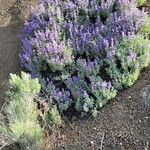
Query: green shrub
[
  {"x": 146, "y": 28},
  {"x": 132, "y": 55},
  {"x": 53, "y": 117},
  {"x": 22, "y": 125}
]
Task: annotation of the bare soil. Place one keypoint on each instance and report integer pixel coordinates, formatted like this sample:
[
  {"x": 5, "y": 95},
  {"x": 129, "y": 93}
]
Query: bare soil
[
  {"x": 12, "y": 15},
  {"x": 123, "y": 124}
]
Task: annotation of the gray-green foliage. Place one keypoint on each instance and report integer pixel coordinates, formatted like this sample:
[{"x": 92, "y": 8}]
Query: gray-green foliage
[
  {"x": 146, "y": 28},
  {"x": 141, "y": 2},
  {"x": 53, "y": 117},
  {"x": 132, "y": 55},
  {"x": 22, "y": 125}
]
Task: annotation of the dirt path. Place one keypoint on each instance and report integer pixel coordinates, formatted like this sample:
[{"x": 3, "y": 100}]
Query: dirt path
[{"x": 12, "y": 14}]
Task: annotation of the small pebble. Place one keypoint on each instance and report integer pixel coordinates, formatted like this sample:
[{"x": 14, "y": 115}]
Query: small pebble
[
  {"x": 129, "y": 97},
  {"x": 94, "y": 128},
  {"x": 92, "y": 142}
]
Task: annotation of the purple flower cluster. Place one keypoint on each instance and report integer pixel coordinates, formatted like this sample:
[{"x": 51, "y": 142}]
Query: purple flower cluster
[
  {"x": 111, "y": 53},
  {"x": 97, "y": 84},
  {"x": 93, "y": 27},
  {"x": 62, "y": 98},
  {"x": 88, "y": 67},
  {"x": 67, "y": 41},
  {"x": 77, "y": 86},
  {"x": 41, "y": 37},
  {"x": 132, "y": 56}
]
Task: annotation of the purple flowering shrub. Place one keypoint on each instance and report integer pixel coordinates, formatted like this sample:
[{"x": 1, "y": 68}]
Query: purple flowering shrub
[
  {"x": 84, "y": 51},
  {"x": 131, "y": 56}
]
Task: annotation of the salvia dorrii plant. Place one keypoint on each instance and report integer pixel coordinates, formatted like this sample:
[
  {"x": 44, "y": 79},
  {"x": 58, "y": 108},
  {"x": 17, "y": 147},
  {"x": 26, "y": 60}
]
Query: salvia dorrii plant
[{"x": 84, "y": 51}]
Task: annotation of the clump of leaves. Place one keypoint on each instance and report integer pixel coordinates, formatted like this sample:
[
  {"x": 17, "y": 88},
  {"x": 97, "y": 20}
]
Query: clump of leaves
[
  {"x": 53, "y": 117},
  {"x": 131, "y": 56},
  {"x": 146, "y": 28},
  {"x": 141, "y": 2}
]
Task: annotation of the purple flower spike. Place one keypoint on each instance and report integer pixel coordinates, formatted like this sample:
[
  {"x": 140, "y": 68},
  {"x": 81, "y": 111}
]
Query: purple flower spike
[
  {"x": 132, "y": 56},
  {"x": 104, "y": 84},
  {"x": 105, "y": 43},
  {"x": 85, "y": 107},
  {"x": 111, "y": 54}
]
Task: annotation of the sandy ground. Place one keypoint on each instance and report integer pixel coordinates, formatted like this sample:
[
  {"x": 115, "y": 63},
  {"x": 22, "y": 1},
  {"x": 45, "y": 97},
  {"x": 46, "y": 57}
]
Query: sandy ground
[{"x": 12, "y": 15}]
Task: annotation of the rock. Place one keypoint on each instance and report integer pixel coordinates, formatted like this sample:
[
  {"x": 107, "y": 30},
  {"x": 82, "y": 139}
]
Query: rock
[{"x": 146, "y": 96}]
